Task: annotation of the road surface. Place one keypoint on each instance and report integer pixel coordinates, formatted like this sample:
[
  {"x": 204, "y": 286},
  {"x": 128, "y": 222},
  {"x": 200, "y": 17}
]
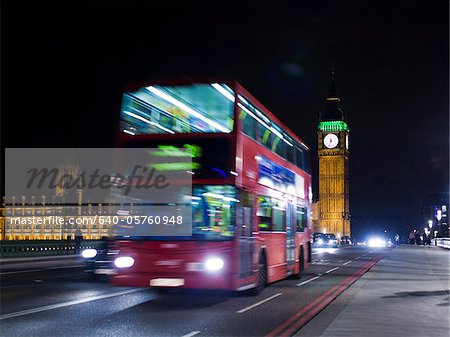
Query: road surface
[{"x": 45, "y": 300}]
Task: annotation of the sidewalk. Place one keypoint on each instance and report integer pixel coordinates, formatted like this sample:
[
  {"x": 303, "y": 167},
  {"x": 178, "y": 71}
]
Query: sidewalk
[{"x": 405, "y": 294}]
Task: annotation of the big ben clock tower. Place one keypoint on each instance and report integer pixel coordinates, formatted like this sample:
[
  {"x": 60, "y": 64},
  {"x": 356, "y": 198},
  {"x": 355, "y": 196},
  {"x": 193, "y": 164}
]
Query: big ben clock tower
[{"x": 333, "y": 146}]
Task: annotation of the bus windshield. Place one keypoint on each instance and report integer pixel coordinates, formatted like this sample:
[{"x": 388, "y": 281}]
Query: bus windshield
[
  {"x": 213, "y": 212},
  {"x": 213, "y": 215},
  {"x": 194, "y": 108}
]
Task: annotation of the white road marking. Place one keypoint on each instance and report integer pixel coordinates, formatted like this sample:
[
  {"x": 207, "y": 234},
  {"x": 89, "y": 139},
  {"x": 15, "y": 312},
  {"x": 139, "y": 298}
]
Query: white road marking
[
  {"x": 258, "y": 303},
  {"x": 40, "y": 269},
  {"x": 10, "y": 286},
  {"x": 68, "y": 303},
  {"x": 65, "y": 267},
  {"x": 20, "y": 271},
  {"x": 190, "y": 334},
  {"x": 346, "y": 263},
  {"x": 364, "y": 254},
  {"x": 357, "y": 258},
  {"x": 329, "y": 271},
  {"x": 307, "y": 281}
]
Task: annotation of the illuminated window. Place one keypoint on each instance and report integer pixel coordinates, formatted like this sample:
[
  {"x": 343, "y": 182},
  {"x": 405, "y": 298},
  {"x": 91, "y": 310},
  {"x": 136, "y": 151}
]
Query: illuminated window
[
  {"x": 289, "y": 149},
  {"x": 278, "y": 219},
  {"x": 278, "y": 144},
  {"x": 264, "y": 213},
  {"x": 248, "y": 124},
  {"x": 302, "y": 159},
  {"x": 213, "y": 212},
  {"x": 178, "y": 109},
  {"x": 302, "y": 219}
]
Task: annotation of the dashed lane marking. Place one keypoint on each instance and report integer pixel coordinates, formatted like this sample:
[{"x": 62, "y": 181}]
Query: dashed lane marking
[
  {"x": 190, "y": 334},
  {"x": 307, "y": 281},
  {"x": 68, "y": 303},
  {"x": 259, "y": 303}
]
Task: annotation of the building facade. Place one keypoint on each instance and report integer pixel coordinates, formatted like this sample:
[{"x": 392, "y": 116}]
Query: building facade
[
  {"x": 435, "y": 214},
  {"x": 333, "y": 148}
]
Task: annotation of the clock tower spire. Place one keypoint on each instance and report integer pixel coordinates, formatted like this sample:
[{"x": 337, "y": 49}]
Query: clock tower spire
[{"x": 333, "y": 148}]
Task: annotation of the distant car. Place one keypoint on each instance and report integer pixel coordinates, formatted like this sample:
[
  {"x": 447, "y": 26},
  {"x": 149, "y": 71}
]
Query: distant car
[
  {"x": 318, "y": 240},
  {"x": 99, "y": 261},
  {"x": 346, "y": 241},
  {"x": 330, "y": 240}
]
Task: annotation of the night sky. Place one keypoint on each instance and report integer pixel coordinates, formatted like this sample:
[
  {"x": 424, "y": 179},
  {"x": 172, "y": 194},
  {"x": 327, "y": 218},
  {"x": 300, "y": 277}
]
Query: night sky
[{"x": 64, "y": 67}]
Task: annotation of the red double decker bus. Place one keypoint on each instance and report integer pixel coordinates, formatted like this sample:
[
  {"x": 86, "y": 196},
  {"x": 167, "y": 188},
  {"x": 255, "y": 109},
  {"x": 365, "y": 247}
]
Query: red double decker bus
[{"x": 251, "y": 189}]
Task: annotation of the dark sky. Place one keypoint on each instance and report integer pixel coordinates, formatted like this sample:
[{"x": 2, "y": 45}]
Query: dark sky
[{"x": 65, "y": 64}]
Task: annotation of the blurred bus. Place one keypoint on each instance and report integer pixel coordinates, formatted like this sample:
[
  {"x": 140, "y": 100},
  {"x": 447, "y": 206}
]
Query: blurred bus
[{"x": 251, "y": 189}]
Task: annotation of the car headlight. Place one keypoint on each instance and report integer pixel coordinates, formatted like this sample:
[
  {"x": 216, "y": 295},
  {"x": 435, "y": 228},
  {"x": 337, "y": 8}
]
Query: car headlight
[
  {"x": 320, "y": 241},
  {"x": 214, "y": 264},
  {"x": 89, "y": 253},
  {"x": 124, "y": 262},
  {"x": 376, "y": 243}
]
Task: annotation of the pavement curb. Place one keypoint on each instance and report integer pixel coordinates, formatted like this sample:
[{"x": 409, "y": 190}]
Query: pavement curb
[{"x": 306, "y": 314}]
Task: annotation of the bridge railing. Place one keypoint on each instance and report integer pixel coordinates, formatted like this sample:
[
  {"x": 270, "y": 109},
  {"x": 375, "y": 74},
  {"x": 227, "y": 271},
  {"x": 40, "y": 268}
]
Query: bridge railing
[
  {"x": 442, "y": 242},
  {"x": 27, "y": 248}
]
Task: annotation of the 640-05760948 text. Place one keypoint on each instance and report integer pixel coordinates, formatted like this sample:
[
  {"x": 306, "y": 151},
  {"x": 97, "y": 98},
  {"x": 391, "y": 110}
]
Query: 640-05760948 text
[{"x": 96, "y": 220}]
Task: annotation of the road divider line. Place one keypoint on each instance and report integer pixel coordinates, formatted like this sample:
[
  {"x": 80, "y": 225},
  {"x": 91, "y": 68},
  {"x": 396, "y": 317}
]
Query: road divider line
[
  {"x": 258, "y": 303},
  {"x": 21, "y": 271},
  {"x": 307, "y": 281},
  {"x": 332, "y": 269},
  {"x": 190, "y": 334},
  {"x": 346, "y": 263},
  {"x": 357, "y": 258},
  {"x": 68, "y": 303}
]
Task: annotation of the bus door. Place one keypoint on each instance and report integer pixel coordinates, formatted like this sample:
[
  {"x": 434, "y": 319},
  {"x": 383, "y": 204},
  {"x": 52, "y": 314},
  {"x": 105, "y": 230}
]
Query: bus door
[
  {"x": 245, "y": 237},
  {"x": 290, "y": 238}
]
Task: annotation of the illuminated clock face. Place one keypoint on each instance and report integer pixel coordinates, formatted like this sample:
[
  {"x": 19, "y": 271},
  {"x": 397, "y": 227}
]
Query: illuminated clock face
[{"x": 331, "y": 141}]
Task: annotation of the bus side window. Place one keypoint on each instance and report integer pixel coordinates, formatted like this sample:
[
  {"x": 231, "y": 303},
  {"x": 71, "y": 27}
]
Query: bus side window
[
  {"x": 278, "y": 219},
  {"x": 299, "y": 158},
  {"x": 302, "y": 219},
  {"x": 248, "y": 124},
  {"x": 264, "y": 136},
  {"x": 278, "y": 145},
  {"x": 289, "y": 149},
  {"x": 264, "y": 213}
]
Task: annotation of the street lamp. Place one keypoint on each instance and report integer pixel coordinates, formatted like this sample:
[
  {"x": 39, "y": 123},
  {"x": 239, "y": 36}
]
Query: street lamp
[{"x": 430, "y": 224}]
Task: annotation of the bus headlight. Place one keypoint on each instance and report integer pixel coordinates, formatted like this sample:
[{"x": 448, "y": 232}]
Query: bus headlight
[
  {"x": 214, "y": 264},
  {"x": 320, "y": 241},
  {"x": 124, "y": 262},
  {"x": 330, "y": 242},
  {"x": 89, "y": 253}
]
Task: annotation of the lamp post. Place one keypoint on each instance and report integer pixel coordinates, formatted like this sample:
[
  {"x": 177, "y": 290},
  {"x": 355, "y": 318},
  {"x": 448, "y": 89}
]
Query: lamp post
[{"x": 430, "y": 224}]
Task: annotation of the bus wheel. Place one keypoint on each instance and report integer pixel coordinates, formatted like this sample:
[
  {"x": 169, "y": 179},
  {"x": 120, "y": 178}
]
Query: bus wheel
[
  {"x": 262, "y": 276},
  {"x": 301, "y": 264}
]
